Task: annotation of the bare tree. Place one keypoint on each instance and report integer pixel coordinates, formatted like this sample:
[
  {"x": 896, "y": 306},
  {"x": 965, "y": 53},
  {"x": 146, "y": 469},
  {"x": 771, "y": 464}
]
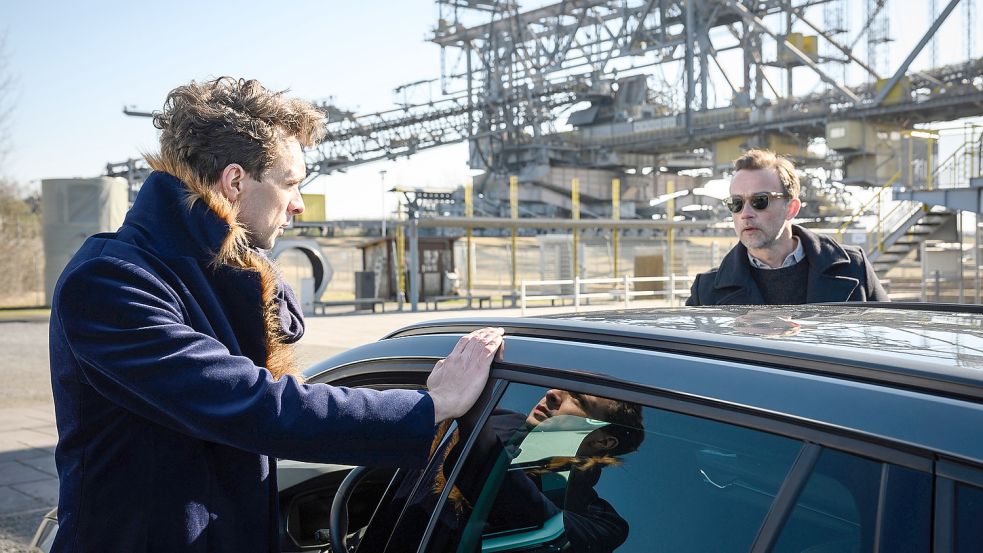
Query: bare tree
[{"x": 21, "y": 250}]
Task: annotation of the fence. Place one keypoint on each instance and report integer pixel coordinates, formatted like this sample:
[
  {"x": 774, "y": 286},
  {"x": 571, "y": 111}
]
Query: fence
[
  {"x": 550, "y": 258},
  {"x": 625, "y": 292},
  {"x": 543, "y": 257}
]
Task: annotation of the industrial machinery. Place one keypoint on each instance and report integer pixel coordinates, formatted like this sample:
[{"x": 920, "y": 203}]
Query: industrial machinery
[{"x": 662, "y": 95}]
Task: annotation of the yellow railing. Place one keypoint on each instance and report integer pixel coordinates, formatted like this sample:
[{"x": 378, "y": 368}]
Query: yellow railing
[
  {"x": 877, "y": 197},
  {"x": 963, "y": 164},
  {"x": 953, "y": 171}
]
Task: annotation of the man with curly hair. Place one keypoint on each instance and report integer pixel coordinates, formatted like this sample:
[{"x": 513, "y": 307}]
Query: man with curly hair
[{"x": 171, "y": 346}]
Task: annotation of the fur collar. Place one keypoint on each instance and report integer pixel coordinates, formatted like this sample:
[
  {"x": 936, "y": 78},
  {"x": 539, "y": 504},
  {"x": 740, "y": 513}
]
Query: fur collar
[{"x": 235, "y": 252}]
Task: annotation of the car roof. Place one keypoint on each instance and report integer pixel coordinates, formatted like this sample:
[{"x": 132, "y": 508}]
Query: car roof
[{"x": 925, "y": 347}]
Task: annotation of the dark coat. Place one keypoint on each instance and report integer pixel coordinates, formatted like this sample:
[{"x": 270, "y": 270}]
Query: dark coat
[
  {"x": 836, "y": 273},
  {"x": 163, "y": 360}
]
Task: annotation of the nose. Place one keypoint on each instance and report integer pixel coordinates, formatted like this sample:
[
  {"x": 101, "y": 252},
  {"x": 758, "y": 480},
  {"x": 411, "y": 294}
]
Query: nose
[
  {"x": 554, "y": 398},
  {"x": 746, "y": 209},
  {"x": 296, "y": 205}
]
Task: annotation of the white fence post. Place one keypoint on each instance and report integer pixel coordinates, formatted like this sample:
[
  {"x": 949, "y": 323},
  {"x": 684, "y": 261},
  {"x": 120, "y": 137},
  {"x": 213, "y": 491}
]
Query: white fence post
[
  {"x": 672, "y": 290},
  {"x": 576, "y": 293},
  {"x": 627, "y": 290}
]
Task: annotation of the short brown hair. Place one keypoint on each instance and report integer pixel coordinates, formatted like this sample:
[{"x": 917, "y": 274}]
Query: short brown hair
[
  {"x": 209, "y": 125},
  {"x": 767, "y": 159},
  {"x": 626, "y": 425}
]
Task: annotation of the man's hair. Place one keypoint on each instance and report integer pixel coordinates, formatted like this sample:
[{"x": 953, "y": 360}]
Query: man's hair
[
  {"x": 209, "y": 125},
  {"x": 766, "y": 159},
  {"x": 626, "y": 425}
]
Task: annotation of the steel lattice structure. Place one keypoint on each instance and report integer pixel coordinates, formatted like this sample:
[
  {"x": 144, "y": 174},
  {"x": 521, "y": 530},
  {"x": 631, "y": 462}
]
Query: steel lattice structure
[
  {"x": 509, "y": 69},
  {"x": 612, "y": 87}
]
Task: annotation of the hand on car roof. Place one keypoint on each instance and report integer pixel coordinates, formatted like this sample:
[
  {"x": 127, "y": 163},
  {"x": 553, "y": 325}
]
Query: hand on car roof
[{"x": 457, "y": 381}]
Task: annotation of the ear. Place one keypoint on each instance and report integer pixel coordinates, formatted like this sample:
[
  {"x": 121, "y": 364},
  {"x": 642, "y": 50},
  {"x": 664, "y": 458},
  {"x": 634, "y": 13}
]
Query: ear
[
  {"x": 230, "y": 181},
  {"x": 794, "y": 205},
  {"x": 605, "y": 442}
]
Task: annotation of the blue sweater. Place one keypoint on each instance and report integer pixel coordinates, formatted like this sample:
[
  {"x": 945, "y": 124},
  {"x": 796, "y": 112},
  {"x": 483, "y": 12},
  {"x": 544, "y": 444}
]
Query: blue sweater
[{"x": 168, "y": 422}]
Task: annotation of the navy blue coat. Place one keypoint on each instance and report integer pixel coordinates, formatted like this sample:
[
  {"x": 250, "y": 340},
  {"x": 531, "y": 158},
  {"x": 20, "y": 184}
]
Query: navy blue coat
[
  {"x": 168, "y": 420},
  {"x": 836, "y": 273}
]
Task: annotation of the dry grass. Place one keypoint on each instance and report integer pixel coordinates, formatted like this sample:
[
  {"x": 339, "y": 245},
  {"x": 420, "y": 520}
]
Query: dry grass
[{"x": 21, "y": 252}]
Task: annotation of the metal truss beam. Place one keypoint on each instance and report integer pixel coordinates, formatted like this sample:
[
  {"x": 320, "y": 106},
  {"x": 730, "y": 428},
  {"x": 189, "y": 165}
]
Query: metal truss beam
[
  {"x": 799, "y": 12},
  {"x": 518, "y": 20},
  {"x": 757, "y": 22},
  {"x": 536, "y": 223},
  {"x": 523, "y": 67},
  {"x": 914, "y": 53}
]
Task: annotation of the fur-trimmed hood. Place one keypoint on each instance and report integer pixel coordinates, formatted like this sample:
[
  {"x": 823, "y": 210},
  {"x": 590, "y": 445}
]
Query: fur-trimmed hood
[{"x": 233, "y": 251}]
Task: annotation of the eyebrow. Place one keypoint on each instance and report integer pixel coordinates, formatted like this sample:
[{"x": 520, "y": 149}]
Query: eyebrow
[{"x": 581, "y": 399}]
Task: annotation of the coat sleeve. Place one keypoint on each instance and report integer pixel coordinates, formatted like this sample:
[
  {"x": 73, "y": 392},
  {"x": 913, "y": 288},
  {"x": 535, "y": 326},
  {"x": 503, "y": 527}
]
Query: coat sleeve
[
  {"x": 694, "y": 292},
  {"x": 875, "y": 292},
  {"x": 126, "y": 330},
  {"x": 288, "y": 306},
  {"x": 291, "y": 313},
  {"x": 595, "y": 526}
]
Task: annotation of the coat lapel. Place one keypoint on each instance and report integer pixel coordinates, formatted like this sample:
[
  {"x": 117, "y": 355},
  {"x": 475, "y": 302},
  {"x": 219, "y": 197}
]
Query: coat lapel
[
  {"x": 827, "y": 262},
  {"x": 226, "y": 244},
  {"x": 734, "y": 283},
  {"x": 240, "y": 293}
]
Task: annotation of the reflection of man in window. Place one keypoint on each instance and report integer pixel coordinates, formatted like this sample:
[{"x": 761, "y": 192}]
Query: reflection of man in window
[
  {"x": 526, "y": 458},
  {"x": 766, "y": 324}
]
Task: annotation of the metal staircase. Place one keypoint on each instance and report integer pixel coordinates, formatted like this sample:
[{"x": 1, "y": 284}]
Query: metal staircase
[
  {"x": 892, "y": 234},
  {"x": 921, "y": 225},
  {"x": 916, "y": 202}
]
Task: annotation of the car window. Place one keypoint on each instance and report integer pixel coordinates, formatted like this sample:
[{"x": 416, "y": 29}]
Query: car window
[
  {"x": 837, "y": 509},
  {"x": 307, "y": 489},
  {"x": 969, "y": 513},
  {"x": 554, "y": 469},
  {"x": 401, "y": 519}
]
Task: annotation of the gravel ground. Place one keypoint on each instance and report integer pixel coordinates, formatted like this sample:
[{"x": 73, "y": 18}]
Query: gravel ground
[
  {"x": 24, "y": 364},
  {"x": 17, "y": 530},
  {"x": 26, "y": 382}
]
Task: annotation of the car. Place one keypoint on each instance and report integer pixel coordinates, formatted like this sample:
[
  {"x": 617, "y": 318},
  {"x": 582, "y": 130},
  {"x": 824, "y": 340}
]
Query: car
[{"x": 806, "y": 429}]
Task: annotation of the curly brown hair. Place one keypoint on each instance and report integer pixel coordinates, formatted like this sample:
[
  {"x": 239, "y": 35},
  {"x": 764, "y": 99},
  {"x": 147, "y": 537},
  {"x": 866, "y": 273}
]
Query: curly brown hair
[
  {"x": 767, "y": 159},
  {"x": 209, "y": 125}
]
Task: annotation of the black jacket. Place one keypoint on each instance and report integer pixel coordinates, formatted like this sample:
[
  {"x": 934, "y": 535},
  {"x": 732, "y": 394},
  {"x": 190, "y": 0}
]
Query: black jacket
[{"x": 836, "y": 273}]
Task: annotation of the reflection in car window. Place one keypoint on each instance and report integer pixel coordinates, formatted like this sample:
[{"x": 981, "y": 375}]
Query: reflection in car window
[
  {"x": 837, "y": 509},
  {"x": 969, "y": 513},
  {"x": 556, "y": 469}
]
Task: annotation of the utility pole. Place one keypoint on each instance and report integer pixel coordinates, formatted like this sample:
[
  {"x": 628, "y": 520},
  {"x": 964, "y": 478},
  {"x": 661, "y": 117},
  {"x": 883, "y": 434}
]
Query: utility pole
[{"x": 382, "y": 176}]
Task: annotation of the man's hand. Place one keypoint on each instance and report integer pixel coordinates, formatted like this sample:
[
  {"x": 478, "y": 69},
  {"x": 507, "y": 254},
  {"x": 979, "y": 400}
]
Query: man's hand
[{"x": 457, "y": 381}]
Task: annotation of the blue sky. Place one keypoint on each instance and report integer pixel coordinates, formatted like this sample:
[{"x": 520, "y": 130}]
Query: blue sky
[{"x": 76, "y": 64}]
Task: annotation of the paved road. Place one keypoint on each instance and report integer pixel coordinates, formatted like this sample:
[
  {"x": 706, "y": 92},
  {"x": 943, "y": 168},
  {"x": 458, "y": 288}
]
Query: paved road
[{"x": 28, "y": 481}]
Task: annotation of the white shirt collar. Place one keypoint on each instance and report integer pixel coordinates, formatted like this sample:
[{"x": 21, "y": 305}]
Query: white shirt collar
[{"x": 797, "y": 255}]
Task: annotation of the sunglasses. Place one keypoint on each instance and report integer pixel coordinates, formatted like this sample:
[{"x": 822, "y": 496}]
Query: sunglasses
[{"x": 758, "y": 201}]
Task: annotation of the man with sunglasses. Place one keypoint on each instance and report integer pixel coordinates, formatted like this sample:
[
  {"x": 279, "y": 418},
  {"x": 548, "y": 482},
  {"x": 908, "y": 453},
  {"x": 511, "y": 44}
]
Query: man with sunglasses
[{"x": 776, "y": 262}]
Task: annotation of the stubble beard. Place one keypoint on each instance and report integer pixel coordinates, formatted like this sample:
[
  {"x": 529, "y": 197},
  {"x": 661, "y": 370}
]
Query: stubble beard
[
  {"x": 262, "y": 243},
  {"x": 757, "y": 240}
]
